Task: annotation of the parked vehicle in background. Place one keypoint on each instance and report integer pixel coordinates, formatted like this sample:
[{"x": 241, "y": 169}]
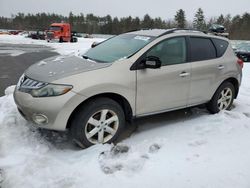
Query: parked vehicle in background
[
  {"x": 243, "y": 52},
  {"x": 218, "y": 30},
  {"x": 60, "y": 32},
  {"x": 131, "y": 75},
  {"x": 74, "y": 36},
  {"x": 39, "y": 35},
  {"x": 4, "y": 33},
  {"x": 24, "y": 33},
  {"x": 31, "y": 33},
  {"x": 15, "y": 32}
]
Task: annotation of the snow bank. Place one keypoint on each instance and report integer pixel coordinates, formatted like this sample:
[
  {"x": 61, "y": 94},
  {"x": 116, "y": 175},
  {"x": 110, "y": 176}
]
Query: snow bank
[{"x": 77, "y": 48}]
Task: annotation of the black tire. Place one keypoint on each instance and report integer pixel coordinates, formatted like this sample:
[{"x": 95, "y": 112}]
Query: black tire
[
  {"x": 80, "y": 122},
  {"x": 61, "y": 40},
  {"x": 213, "y": 106},
  {"x": 73, "y": 39}
]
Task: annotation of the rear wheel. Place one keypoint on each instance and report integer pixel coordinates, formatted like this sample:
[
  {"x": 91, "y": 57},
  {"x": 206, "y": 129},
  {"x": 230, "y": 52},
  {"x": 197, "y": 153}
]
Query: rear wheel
[
  {"x": 99, "y": 121},
  {"x": 222, "y": 99}
]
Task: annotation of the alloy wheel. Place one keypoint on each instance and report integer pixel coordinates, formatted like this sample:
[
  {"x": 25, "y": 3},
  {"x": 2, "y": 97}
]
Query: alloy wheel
[
  {"x": 102, "y": 126},
  {"x": 225, "y": 98}
]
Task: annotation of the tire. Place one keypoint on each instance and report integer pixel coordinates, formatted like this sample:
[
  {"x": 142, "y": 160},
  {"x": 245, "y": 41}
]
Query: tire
[
  {"x": 61, "y": 40},
  {"x": 222, "y": 99},
  {"x": 90, "y": 124},
  {"x": 73, "y": 39}
]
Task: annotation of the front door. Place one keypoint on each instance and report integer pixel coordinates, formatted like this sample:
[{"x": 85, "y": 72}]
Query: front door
[{"x": 167, "y": 87}]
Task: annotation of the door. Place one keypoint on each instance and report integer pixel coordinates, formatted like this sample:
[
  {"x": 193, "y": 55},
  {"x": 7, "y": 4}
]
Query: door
[
  {"x": 207, "y": 69},
  {"x": 167, "y": 87}
]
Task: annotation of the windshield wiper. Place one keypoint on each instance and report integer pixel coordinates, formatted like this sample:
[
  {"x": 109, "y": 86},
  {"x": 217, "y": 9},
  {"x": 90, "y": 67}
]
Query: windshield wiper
[
  {"x": 85, "y": 57},
  {"x": 95, "y": 60},
  {"x": 88, "y": 58}
]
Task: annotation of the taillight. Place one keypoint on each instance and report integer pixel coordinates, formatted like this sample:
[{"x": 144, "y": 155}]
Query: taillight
[{"x": 240, "y": 62}]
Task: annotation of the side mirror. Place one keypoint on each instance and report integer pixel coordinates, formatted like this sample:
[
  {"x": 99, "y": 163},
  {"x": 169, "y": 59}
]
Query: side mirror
[
  {"x": 94, "y": 44},
  {"x": 152, "y": 62}
]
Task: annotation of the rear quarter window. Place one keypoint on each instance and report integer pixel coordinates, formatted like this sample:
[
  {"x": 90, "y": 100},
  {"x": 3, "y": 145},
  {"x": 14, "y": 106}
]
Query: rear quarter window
[
  {"x": 221, "y": 46},
  {"x": 201, "y": 49}
]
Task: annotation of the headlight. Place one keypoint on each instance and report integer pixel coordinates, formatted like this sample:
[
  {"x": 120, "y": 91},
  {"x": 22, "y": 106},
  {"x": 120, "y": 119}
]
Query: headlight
[
  {"x": 41, "y": 89},
  {"x": 50, "y": 90}
]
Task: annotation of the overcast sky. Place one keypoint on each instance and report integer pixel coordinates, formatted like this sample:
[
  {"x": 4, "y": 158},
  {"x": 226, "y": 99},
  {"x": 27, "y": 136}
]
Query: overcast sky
[{"x": 165, "y": 9}]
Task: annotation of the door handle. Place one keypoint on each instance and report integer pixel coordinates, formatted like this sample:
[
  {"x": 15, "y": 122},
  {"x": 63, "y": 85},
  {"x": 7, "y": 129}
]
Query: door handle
[
  {"x": 184, "y": 74},
  {"x": 220, "y": 67}
]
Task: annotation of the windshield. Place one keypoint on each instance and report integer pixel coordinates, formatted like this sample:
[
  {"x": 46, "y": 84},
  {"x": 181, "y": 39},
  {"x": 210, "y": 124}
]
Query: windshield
[
  {"x": 244, "y": 48},
  {"x": 55, "y": 28},
  {"x": 116, "y": 48}
]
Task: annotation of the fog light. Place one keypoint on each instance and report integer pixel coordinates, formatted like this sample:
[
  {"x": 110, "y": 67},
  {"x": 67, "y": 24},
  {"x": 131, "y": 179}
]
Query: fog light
[{"x": 40, "y": 119}]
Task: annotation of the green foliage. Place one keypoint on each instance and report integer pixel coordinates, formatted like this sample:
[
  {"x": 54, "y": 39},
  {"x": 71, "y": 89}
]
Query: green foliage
[
  {"x": 221, "y": 20},
  {"x": 238, "y": 26},
  {"x": 199, "y": 22},
  {"x": 86, "y": 24},
  {"x": 180, "y": 19}
]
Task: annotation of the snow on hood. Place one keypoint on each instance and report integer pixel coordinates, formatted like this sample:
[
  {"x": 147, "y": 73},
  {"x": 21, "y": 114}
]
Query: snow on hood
[{"x": 55, "y": 68}]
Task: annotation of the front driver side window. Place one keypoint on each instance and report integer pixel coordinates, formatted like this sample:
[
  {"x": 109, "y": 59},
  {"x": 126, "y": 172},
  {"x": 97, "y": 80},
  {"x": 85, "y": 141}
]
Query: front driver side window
[{"x": 171, "y": 51}]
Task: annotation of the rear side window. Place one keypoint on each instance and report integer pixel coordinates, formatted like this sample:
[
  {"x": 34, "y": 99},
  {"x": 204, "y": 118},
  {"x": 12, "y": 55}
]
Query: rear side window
[
  {"x": 221, "y": 46},
  {"x": 201, "y": 49}
]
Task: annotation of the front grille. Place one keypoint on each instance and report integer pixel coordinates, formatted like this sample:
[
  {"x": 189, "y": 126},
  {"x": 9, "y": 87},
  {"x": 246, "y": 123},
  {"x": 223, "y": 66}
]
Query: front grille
[
  {"x": 50, "y": 35},
  {"x": 27, "y": 83}
]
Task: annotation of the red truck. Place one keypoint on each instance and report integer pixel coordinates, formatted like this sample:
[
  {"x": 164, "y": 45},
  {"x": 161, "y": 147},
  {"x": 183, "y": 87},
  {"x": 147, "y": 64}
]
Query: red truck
[{"x": 60, "y": 32}]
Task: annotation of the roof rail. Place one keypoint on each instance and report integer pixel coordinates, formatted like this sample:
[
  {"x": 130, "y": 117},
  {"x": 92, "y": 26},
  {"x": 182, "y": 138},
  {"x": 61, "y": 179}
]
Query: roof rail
[
  {"x": 132, "y": 30},
  {"x": 169, "y": 31}
]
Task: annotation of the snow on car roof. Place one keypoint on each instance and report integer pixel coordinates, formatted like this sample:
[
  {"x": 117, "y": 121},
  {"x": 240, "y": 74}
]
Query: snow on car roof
[{"x": 150, "y": 32}]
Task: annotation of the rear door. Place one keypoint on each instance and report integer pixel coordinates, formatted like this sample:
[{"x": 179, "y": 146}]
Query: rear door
[
  {"x": 206, "y": 67},
  {"x": 167, "y": 87}
]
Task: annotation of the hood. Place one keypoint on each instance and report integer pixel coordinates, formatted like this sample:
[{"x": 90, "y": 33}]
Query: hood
[{"x": 58, "y": 67}]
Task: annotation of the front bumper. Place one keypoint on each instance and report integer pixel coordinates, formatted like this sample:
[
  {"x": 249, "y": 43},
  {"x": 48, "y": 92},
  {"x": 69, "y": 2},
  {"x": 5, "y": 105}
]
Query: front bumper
[{"x": 57, "y": 109}]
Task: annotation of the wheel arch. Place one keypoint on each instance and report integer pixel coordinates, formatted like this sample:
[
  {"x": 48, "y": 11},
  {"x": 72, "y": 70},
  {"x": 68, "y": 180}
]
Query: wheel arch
[
  {"x": 235, "y": 83},
  {"x": 122, "y": 101}
]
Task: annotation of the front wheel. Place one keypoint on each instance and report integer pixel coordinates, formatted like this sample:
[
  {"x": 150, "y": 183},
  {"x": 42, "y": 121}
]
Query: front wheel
[
  {"x": 99, "y": 121},
  {"x": 222, "y": 99}
]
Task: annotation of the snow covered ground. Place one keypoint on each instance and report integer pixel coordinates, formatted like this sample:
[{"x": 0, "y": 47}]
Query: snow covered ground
[
  {"x": 62, "y": 48},
  {"x": 191, "y": 150}
]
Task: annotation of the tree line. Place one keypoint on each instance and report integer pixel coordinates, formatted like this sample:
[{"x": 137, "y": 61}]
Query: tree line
[{"x": 237, "y": 26}]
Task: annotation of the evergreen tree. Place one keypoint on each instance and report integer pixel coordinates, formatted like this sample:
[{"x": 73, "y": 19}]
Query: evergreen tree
[
  {"x": 71, "y": 19},
  {"x": 147, "y": 22},
  {"x": 211, "y": 21},
  {"x": 238, "y": 26},
  {"x": 158, "y": 23},
  {"x": 169, "y": 24},
  {"x": 180, "y": 19},
  {"x": 227, "y": 21},
  {"x": 115, "y": 26},
  {"x": 199, "y": 20},
  {"x": 136, "y": 24},
  {"x": 220, "y": 20}
]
